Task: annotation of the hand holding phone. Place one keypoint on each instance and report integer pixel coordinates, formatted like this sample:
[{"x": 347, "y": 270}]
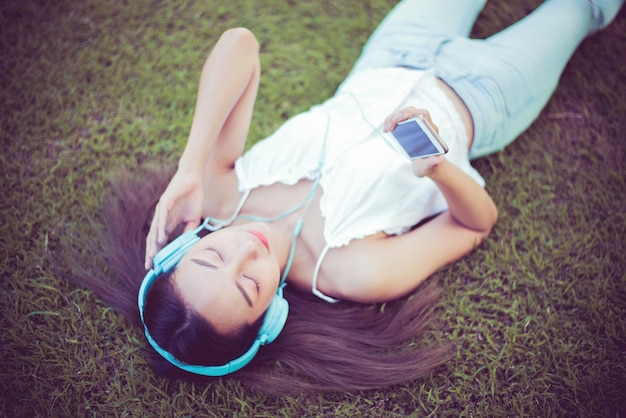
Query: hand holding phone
[{"x": 418, "y": 139}]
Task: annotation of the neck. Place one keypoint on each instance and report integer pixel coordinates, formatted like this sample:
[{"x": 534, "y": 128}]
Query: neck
[
  {"x": 283, "y": 209},
  {"x": 286, "y": 239}
]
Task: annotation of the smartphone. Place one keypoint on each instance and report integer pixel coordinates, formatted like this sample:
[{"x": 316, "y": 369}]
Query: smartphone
[{"x": 418, "y": 139}]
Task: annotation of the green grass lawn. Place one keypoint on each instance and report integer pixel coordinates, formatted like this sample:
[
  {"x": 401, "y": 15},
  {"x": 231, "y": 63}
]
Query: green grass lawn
[{"x": 536, "y": 316}]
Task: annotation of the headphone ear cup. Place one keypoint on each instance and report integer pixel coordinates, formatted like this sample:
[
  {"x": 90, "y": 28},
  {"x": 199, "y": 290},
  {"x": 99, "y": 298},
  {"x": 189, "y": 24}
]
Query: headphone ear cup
[
  {"x": 171, "y": 254},
  {"x": 275, "y": 319}
]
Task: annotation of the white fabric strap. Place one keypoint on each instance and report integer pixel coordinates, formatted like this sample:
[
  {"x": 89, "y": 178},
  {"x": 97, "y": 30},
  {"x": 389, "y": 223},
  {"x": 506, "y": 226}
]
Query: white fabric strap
[{"x": 318, "y": 265}]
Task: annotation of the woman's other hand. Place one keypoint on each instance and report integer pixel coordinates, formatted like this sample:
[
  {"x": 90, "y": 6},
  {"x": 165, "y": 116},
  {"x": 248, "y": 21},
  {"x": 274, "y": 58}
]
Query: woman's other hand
[
  {"x": 181, "y": 203},
  {"x": 405, "y": 114},
  {"x": 422, "y": 167}
]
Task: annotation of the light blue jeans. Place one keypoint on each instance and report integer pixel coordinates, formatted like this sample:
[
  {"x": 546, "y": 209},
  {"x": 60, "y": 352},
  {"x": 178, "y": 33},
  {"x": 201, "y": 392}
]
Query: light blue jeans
[{"x": 506, "y": 79}]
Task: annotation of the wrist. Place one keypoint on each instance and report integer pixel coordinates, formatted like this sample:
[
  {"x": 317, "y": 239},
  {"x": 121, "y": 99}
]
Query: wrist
[
  {"x": 437, "y": 169},
  {"x": 189, "y": 171},
  {"x": 430, "y": 167},
  {"x": 192, "y": 163}
]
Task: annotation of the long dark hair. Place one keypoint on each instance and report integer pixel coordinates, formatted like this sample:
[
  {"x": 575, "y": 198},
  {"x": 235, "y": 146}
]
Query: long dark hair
[
  {"x": 187, "y": 335},
  {"x": 323, "y": 347}
]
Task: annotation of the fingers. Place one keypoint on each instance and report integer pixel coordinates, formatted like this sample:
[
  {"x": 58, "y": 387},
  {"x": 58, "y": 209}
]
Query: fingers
[
  {"x": 405, "y": 114},
  {"x": 150, "y": 244},
  {"x": 151, "y": 239},
  {"x": 161, "y": 234},
  {"x": 157, "y": 235},
  {"x": 191, "y": 225},
  {"x": 430, "y": 122}
]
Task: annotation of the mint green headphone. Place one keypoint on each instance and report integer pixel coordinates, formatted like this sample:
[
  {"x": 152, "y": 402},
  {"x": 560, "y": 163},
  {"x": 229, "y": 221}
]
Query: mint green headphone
[{"x": 164, "y": 261}]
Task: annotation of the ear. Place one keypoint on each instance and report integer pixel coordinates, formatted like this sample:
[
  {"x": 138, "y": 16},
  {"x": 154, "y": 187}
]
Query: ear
[{"x": 275, "y": 319}]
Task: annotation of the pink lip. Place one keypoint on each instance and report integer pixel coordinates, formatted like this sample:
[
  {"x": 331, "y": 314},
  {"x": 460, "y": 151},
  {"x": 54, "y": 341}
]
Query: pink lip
[{"x": 261, "y": 238}]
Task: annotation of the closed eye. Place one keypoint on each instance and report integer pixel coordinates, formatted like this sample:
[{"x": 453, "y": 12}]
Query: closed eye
[
  {"x": 216, "y": 251},
  {"x": 239, "y": 286},
  {"x": 209, "y": 263},
  {"x": 256, "y": 283}
]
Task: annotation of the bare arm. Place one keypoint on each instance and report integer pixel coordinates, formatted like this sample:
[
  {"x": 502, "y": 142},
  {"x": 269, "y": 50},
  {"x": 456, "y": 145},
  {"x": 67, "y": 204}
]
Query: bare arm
[
  {"x": 391, "y": 267},
  {"x": 226, "y": 95},
  {"x": 469, "y": 204}
]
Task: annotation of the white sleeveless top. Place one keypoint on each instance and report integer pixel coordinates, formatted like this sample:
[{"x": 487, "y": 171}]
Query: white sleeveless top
[{"x": 368, "y": 186}]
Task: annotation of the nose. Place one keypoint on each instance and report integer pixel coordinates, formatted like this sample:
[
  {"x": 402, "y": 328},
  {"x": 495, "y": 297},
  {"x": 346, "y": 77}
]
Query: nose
[{"x": 242, "y": 253}]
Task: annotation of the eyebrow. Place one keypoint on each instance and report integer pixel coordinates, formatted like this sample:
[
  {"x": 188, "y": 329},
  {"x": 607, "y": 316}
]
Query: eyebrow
[
  {"x": 241, "y": 289},
  {"x": 244, "y": 293}
]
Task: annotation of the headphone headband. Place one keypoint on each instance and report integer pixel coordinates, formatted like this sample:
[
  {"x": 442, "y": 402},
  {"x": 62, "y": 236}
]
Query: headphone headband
[{"x": 167, "y": 259}]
